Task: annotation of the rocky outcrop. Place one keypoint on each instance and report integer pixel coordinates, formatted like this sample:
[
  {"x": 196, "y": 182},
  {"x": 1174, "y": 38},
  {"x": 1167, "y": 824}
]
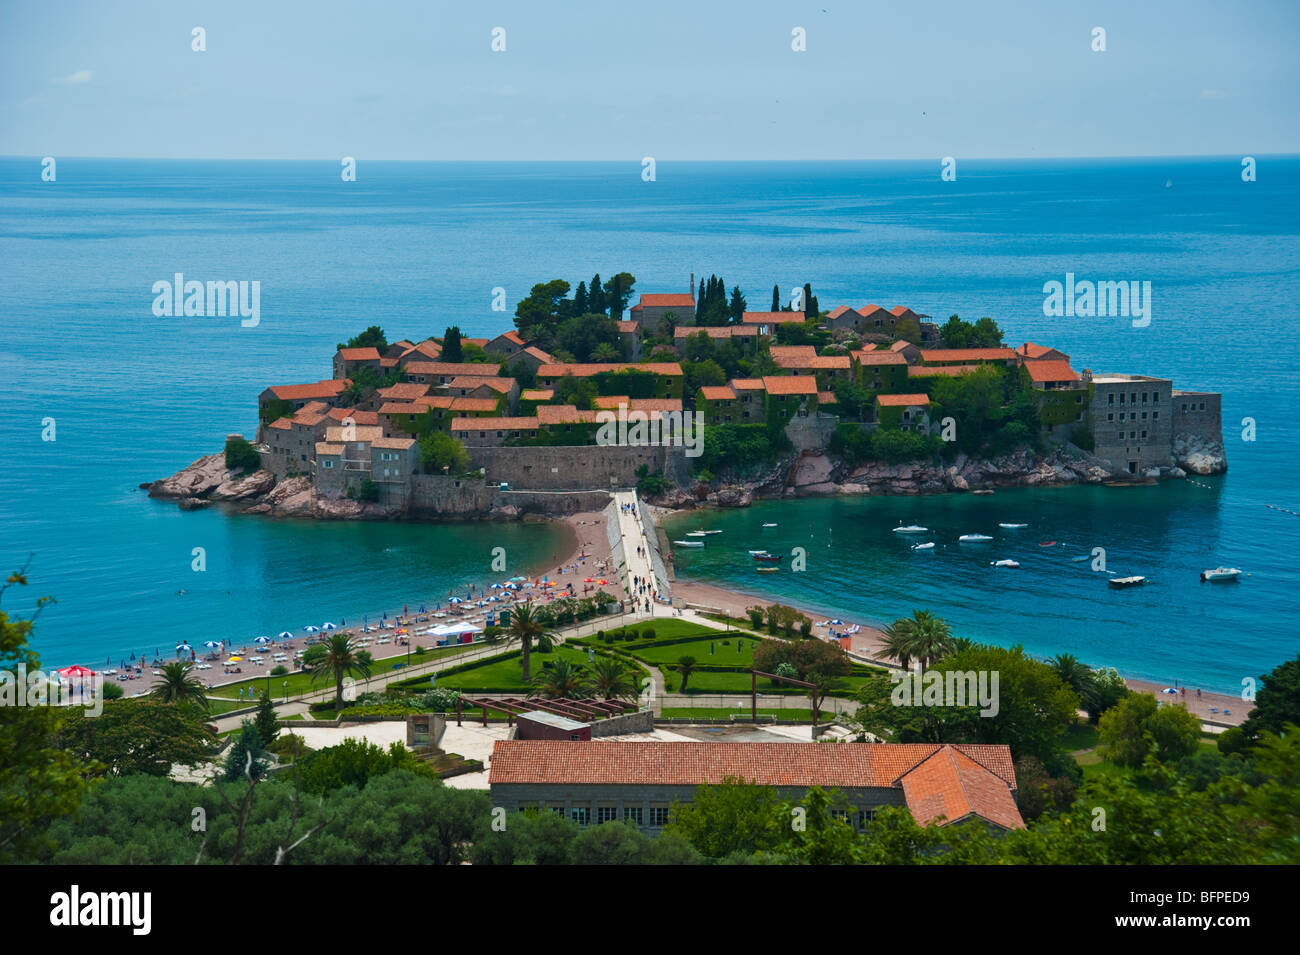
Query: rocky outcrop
[
  {"x": 196, "y": 481},
  {"x": 244, "y": 487},
  {"x": 1199, "y": 455}
]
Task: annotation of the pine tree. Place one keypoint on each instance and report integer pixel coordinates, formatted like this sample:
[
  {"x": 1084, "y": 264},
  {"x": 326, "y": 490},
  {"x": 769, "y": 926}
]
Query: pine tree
[
  {"x": 738, "y": 304},
  {"x": 776, "y": 298},
  {"x": 248, "y": 742},
  {"x": 809, "y": 303},
  {"x": 596, "y": 303},
  {"x": 264, "y": 722},
  {"x": 451, "y": 350},
  {"x": 580, "y": 303},
  {"x": 699, "y": 304}
]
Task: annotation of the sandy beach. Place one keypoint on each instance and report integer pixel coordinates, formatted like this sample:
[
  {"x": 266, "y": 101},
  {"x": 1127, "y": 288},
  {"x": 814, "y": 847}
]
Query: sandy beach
[
  {"x": 583, "y": 553},
  {"x": 1210, "y": 707}
]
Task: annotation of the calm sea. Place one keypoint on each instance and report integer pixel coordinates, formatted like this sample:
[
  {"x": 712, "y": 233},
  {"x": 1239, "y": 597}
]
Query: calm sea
[{"x": 415, "y": 247}]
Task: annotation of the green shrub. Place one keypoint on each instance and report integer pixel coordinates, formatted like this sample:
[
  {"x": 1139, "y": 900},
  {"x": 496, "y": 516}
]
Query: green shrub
[
  {"x": 241, "y": 454},
  {"x": 279, "y": 670},
  {"x": 755, "y": 617},
  {"x": 648, "y": 633},
  {"x": 1081, "y": 437},
  {"x": 369, "y": 491}
]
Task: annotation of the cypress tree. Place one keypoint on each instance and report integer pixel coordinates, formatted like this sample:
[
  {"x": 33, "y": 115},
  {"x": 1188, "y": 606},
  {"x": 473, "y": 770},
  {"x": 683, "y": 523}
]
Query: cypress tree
[
  {"x": 776, "y": 298},
  {"x": 737, "y": 306},
  {"x": 580, "y": 303},
  {"x": 596, "y": 296},
  {"x": 809, "y": 303},
  {"x": 699, "y": 304},
  {"x": 451, "y": 350}
]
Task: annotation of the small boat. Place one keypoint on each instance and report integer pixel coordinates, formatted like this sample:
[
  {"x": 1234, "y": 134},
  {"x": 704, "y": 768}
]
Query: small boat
[
  {"x": 696, "y": 533},
  {"x": 1221, "y": 573},
  {"x": 1004, "y": 563},
  {"x": 910, "y": 529},
  {"x": 1047, "y": 543},
  {"x": 1080, "y": 559},
  {"x": 1127, "y": 581},
  {"x": 928, "y": 545},
  {"x": 709, "y": 532},
  {"x": 1013, "y": 527},
  {"x": 755, "y": 553},
  {"x": 767, "y": 570},
  {"x": 982, "y": 491},
  {"x": 769, "y": 558},
  {"x": 689, "y": 543},
  {"x": 974, "y": 538},
  {"x": 769, "y": 525}
]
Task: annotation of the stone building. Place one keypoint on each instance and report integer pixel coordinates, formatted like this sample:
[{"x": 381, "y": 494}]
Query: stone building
[
  {"x": 593, "y": 782},
  {"x": 1131, "y": 419}
]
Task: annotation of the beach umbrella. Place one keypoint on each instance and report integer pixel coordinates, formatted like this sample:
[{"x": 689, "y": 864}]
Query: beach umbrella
[
  {"x": 310, "y": 629},
  {"x": 183, "y": 648},
  {"x": 132, "y": 654},
  {"x": 235, "y": 660},
  {"x": 211, "y": 644},
  {"x": 422, "y": 610},
  {"x": 518, "y": 580},
  {"x": 603, "y": 581},
  {"x": 263, "y": 640},
  {"x": 588, "y": 580},
  {"x": 454, "y": 600},
  {"x": 76, "y": 670},
  {"x": 496, "y": 587},
  {"x": 328, "y": 626}
]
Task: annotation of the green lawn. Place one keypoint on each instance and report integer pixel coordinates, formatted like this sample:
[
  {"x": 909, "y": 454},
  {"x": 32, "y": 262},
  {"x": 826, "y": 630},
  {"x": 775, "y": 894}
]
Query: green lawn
[
  {"x": 716, "y": 713},
  {"x": 505, "y": 675},
  {"x": 665, "y": 629},
  {"x": 1081, "y": 736},
  {"x": 737, "y": 651},
  {"x": 300, "y": 683},
  {"x": 704, "y": 681}
]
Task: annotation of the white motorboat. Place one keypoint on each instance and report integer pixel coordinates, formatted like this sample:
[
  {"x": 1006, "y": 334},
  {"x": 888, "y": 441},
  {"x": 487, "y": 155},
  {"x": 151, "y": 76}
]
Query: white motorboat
[
  {"x": 1221, "y": 573},
  {"x": 910, "y": 529},
  {"x": 928, "y": 545},
  {"x": 689, "y": 543},
  {"x": 1127, "y": 581},
  {"x": 708, "y": 532},
  {"x": 754, "y": 553},
  {"x": 1013, "y": 527},
  {"x": 769, "y": 525},
  {"x": 974, "y": 538},
  {"x": 696, "y": 533},
  {"x": 1004, "y": 563}
]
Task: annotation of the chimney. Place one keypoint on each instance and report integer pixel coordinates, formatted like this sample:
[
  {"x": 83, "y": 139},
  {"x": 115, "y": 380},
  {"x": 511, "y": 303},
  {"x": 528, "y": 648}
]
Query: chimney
[{"x": 692, "y": 288}]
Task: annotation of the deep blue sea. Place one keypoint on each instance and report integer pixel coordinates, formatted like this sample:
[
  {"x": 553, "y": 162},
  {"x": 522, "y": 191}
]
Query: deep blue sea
[{"x": 416, "y": 247}]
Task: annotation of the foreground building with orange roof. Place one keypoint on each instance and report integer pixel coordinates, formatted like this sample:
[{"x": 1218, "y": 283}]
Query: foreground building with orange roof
[{"x": 597, "y": 781}]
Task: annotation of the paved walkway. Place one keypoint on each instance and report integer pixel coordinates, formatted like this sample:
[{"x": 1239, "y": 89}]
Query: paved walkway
[{"x": 634, "y": 537}]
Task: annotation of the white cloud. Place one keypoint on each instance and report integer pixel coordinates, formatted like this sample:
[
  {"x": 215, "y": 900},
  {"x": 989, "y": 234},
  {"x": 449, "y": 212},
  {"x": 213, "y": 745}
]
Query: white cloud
[{"x": 74, "y": 79}]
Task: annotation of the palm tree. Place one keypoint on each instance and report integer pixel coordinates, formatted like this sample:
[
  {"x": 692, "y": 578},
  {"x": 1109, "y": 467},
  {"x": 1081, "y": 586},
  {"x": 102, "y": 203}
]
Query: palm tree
[
  {"x": 561, "y": 680},
  {"x": 1078, "y": 676},
  {"x": 179, "y": 686},
  {"x": 341, "y": 659},
  {"x": 609, "y": 678},
  {"x": 685, "y": 666},
  {"x": 922, "y": 637},
  {"x": 529, "y": 630}
]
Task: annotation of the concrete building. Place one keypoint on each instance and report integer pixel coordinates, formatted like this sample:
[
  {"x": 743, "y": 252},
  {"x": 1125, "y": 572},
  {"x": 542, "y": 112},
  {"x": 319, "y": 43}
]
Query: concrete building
[{"x": 605, "y": 781}]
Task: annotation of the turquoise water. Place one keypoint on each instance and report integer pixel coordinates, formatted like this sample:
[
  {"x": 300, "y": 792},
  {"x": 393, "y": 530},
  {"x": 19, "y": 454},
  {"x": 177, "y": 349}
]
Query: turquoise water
[{"x": 418, "y": 246}]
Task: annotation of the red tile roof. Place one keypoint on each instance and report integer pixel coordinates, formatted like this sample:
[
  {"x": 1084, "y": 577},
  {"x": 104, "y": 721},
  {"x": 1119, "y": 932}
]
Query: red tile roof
[
  {"x": 513, "y": 337},
  {"x": 968, "y": 354},
  {"x": 499, "y": 385},
  {"x": 902, "y": 401},
  {"x": 826, "y": 397},
  {"x": 537, "y": 353},
  {"x": 879, "y": 357},
  {"x": 494, "y": 424},
  {"x": 665, "y": 300},
  {"x": 473, "y": 404},
  {"x": 867, "y": 311},
  {"x": 596, "y": 368},
  {"x": 401, "y": 407},
  {"x": 823, "y": 362},
  {"x": 790, "y": 384},
  {"x": 281, "y": 424},
  {"x": 451, "y": 369},
  {"x": 717, "y": 393},
  {"x": 403, "y": 391},
  {"x": 321, "y": 389},
  {"x": 1031, "y": 350},
  {"x": 393, "y": 444},
  {"x": 425, "y": 350},
  {"x": 628, "y": 328},
  {"x": 359, "y": 354},
  {"x": 840, "y": 310},
  {"x": 714, "y": 331},
  {"x": 952, "y": 785},
  {"x": 900, "y": 310},
  {"x": 1051, "y": 370},
  {"x": 965, "y": 778},
  {"x": 771, "y": 318},
  {"x": 563, "y": 414},
  {"x": 746, "y": 384},
  {"x": 792, "y": 351},
  {"x": 537, "y": 394}
]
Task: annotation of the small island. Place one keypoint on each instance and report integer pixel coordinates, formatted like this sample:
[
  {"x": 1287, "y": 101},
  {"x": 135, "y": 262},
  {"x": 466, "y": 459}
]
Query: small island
[{"x": 694, "y": 400}]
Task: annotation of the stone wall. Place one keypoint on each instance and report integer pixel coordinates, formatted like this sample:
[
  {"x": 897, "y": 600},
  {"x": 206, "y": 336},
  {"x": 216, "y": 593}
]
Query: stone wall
[
  {"x": 812, "y": 433},
  {"x": 642, "y": 721},
  {"x": 583, "y": 467},
  {"x": 436, "y": 495}
]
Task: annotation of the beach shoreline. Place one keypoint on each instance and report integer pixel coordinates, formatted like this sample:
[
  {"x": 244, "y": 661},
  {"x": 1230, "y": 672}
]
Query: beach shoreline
[{"x": 1218, "y": 708}]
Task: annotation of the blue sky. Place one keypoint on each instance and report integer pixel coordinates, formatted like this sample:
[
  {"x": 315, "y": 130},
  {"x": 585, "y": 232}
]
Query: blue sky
[{"x": 673, "y": 80}]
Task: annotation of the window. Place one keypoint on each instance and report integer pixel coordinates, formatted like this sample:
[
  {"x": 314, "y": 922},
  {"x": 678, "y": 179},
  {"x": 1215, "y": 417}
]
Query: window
[
  {"x": 632, "y": 813},
  {"x": 658, "y": 815},
  {"x": 1110, "y": 399},
  {"x": 1110, "y": 417},
  {"x": 1144, "y": 416},
  {"x": 1154, "y": 415},
  {"x": 1184, "y": 405},
  {"x": 1144, "y": 397},
  {"x": 865, "y": 816},
  {"x": 1132, "y": 434},
  {"x": 1121, "y": 397},
  {"x": 841, "y": 814},
  {"x": 1133, "y": 398},
  {"x": 1144, "y": 434},
  {"x": 581, "y": 815},
  {"x": 1155, "y": 397},
  {"x": 606, "y": 814},
  {"x": 328, "y": 464},
  {"x": 1202, "y": 405},
  {"x": 558, "y": 810}
]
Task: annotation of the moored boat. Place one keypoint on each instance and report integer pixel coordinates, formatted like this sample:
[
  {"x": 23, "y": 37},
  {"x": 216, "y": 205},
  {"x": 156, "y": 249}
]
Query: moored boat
[
  {"x": 974, "y": 538},
  {"x": 928, "y": 545},
  {"x": 754, "y": 553},
  {"x": 769, "y": 558},
  {"x": 710, "y": 532},
  {"x": 769, "y": 525},
  {"x": 1013, "y": 527},
  {"x": 1221, "y": 573},
  {"x": 1127, "y": 581},
  {"x": 767, "y": 570},
  {"x": 696, "y": 533},
  {"x": 910, "y": 529},
  {"x": 689, "y": 543},
  {"x": 1004, "y": 563}
]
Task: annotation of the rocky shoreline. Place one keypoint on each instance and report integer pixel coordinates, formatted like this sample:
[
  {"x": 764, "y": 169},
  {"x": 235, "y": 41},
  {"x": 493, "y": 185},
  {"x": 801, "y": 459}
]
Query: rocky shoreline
[{"x": 815, "y": 474}]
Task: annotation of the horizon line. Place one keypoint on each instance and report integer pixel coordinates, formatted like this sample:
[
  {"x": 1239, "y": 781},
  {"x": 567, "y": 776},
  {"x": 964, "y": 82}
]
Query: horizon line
[{"x": 637, "y": 161}]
